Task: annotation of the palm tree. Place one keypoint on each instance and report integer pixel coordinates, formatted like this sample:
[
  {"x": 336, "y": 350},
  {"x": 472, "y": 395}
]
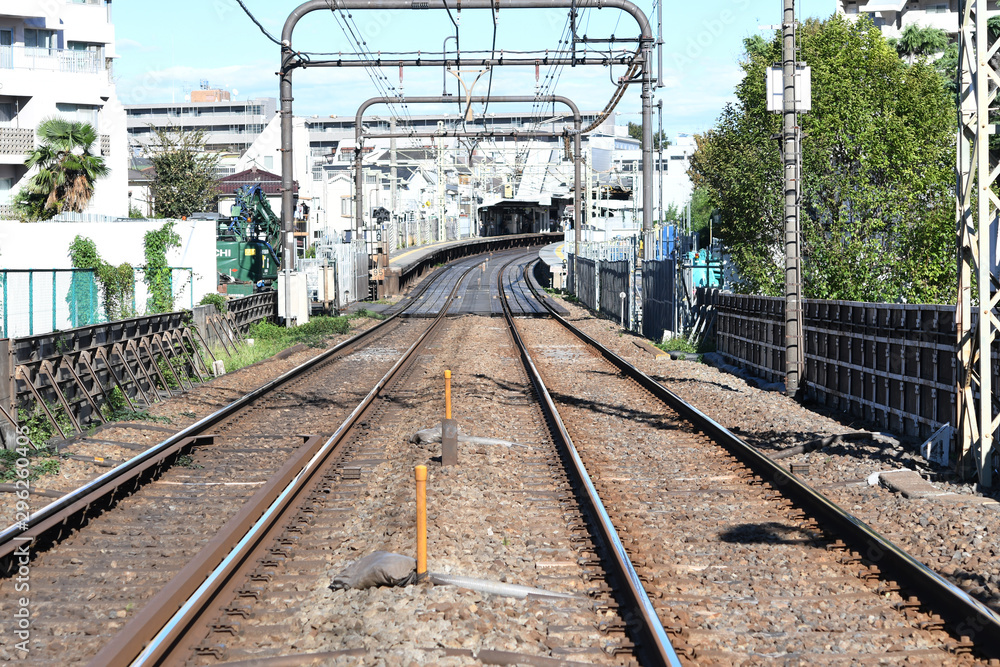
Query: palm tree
[{"x": 67, "y": 169}]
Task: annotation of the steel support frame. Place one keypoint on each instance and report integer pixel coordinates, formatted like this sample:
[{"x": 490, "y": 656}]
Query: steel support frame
[
  {"x": 977, "y": 216},
  {"x": 290, "y": 60},
  {"x": 360, "y": 134}
]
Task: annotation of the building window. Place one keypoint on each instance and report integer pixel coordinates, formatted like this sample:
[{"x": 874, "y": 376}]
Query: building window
[
  {"x": 42, "y": 40},
  {"x": 6, "y": 49},
  {"x": 345, "y": 207},
  {"x": 941, "y": 8},
  {"x": 268, "y": 162},
  {"x": 6, "y": 112},
  {"x": 6, "y": 187},
  {"x": 81, "y": 113},
  {"x": 371, "y": 179}
]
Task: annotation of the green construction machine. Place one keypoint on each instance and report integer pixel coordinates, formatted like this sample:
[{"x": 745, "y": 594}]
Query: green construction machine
[{"x": 245, "y": 244}]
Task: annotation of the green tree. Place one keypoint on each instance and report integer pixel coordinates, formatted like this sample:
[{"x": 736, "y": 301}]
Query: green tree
[
  {"x": 67, "y": 170},
  {"x": 916, "y": 41},
  {"x": 635, "y": 131},
  {"x": 701, "y": 215},
  {"x": 184, "y": 180},
  {"x": 878, "y": 161}
]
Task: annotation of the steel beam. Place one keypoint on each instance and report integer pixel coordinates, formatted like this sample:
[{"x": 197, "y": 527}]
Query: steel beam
[
  {"x": 290, "y": 60},
  {"x": 977, "y": 215}
]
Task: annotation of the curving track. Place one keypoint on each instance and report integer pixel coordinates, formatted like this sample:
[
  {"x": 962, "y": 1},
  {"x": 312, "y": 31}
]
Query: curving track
[{"x": 660, "y": 542}]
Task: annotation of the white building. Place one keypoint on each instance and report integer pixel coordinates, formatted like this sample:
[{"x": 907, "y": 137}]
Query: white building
[
  {"x": 893, "y": 16},
  {"x": 56, "y": 59},
  {"x": 230, "y": 126}
]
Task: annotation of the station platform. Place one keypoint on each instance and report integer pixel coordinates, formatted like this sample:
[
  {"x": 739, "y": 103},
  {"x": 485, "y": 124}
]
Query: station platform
[{"x": 554, "y": 257}]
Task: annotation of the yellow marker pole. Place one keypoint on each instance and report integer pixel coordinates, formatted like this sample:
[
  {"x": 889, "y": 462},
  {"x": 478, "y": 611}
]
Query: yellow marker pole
[
  {"x": 421, "y": 476},
  {"x": 447, "y": 394}
]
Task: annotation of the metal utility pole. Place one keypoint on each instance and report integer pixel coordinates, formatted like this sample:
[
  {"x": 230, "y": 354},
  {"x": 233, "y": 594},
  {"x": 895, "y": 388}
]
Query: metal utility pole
[
  {"x": 659, "y": 44},
  {"x": 442, "y": 230},
  {"x": 659, "y": 163},
  {"x": 393, "y": 164},
  {"x": 790, "y": 147},
  {"x": 977, "y": 214}
]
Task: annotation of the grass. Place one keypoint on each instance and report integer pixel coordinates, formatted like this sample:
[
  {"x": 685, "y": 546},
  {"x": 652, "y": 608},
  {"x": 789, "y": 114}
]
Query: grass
[
  {"x": 40, "y": 429},
  {"x": 681, "y": 344},
  {"x": 41, "y": 462},
  {"x": 116, "y": 409},
  {"x": 269, "y": 339}
]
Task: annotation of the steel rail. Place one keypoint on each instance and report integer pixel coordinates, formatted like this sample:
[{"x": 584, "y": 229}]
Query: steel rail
[
  {"x": 657, "y": 647},
  {"x": 967, "y": 616},
  {"x": 163, "y": 623},
  {"x": 104, "y": 488}
]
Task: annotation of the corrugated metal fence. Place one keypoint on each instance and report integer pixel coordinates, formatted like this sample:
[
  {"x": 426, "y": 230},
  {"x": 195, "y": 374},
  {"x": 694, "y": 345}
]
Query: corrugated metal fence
[
  {"x": 659, "y": 313},
  {"x": 891, "y": 364},
  {"x": 585, "y": 282},
  {"x": 613, "y": 284}
]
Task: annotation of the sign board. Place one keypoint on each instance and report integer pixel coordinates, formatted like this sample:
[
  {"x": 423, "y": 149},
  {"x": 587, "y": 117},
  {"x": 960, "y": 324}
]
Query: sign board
[{"x": 776, "y": 91}]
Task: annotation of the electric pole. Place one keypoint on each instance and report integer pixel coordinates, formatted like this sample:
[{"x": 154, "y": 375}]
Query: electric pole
[
  {"x": 394, "y": 202},
  {"x": 791, "y": 148},
  {"x": 659, "y": 164}
]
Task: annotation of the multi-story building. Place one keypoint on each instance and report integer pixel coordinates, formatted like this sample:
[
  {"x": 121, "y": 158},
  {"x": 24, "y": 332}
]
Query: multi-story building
[
  {"x": 56, "y": 59},
  {"x": 893, "y": 16},
  {"x": 230, "y": 126}
]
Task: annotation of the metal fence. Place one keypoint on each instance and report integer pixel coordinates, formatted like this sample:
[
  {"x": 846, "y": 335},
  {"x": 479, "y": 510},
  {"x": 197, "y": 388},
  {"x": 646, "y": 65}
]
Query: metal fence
[
  {"x": 659, "y": 309},
  {"x": 891, "y": 364},
  {"x": 613, "y": 287},
  {"x": 36, "y": 301}
]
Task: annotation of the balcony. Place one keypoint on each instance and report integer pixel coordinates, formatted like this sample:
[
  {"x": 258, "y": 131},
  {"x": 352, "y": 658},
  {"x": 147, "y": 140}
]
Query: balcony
[
  {"x": 15, "y": 144},
  {"x": 51, "y": 60}
]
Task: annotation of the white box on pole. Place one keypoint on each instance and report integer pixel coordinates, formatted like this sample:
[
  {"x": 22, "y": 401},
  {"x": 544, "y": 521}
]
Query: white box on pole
[{"x": 776, "y": 91}]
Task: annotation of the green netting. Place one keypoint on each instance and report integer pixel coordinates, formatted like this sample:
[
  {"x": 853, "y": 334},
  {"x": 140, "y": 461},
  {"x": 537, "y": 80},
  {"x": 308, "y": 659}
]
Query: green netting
[{"x": 36, "y": 301}]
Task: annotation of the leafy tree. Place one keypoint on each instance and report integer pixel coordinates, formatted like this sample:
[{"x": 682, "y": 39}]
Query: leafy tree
[
  {"x": 878, "y": 161},
  {"x": 671, "y": 213},
  {"x": 701, "y": 215},
  {"x": 918, "y": 41},
  {"x": 184, "y": 180},
  {"x": 635, "y": 131},
  {"x": 67, "y": 170}
]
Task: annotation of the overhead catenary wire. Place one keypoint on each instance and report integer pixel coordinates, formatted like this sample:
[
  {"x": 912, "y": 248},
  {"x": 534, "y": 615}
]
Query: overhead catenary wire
[{"x": 258, "y": 23}]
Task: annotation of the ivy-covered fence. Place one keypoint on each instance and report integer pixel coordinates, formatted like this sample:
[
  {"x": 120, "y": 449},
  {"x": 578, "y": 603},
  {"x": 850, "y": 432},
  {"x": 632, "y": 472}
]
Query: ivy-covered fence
[{"x": 37, "y": 301}]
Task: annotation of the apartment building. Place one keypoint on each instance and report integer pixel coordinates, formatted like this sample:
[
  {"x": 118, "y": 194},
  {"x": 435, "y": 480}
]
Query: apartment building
[
  {"x": 56, "y": 59},
  {"x": 893, "y": 16},
  {"x": 230, "y": 126}
]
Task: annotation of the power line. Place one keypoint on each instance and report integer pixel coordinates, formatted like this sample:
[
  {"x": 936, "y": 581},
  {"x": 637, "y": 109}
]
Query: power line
[{"x": 254, "y": 19}]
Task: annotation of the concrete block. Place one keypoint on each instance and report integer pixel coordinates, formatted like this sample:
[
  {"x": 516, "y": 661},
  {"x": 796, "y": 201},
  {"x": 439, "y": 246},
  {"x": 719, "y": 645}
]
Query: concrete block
[
  {"x": 218, "y": 368},
  {"x": 449, "y": 442},
  {"x": 937, "y": 448}
]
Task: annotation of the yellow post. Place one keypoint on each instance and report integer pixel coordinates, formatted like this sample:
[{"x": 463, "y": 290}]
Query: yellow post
[
  {"x": 421, "y": 476},
  {"x": 447, "y": 394}
]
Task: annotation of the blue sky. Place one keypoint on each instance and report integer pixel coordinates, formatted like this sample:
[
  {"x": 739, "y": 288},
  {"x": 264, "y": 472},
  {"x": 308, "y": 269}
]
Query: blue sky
[{"x": 165, "y": 49}]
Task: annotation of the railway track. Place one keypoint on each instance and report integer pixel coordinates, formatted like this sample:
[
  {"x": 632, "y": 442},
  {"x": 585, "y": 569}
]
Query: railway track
[
  {"x": 744, "y": 562},
  {"x": 639, "y": 560},
  {"x": 99, "y": 536}
]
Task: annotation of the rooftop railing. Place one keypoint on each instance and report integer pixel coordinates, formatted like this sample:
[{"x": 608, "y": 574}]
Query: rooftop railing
[{"x": 51, "y": 60}]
